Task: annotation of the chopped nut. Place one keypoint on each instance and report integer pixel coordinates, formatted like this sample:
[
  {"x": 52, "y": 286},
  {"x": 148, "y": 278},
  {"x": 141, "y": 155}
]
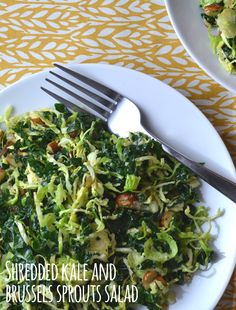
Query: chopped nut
[
  {"x": 5, "y": 147},
  {"x": 152, "y": 276},
  {"x": 213, "y": 9},
  {"x": 73, "y": 134},
  {"x": 37, "y": 121},
  {"x": 2, "y": 174},
  {"x": 161, "y": 279},
  {"x": 125, "y": 200},
  {"x": 53, "y": 147},
  {"x": 149, "y": 277},
  {"x": 11, "y": 160},
  {"x": 165, "y": 219}
]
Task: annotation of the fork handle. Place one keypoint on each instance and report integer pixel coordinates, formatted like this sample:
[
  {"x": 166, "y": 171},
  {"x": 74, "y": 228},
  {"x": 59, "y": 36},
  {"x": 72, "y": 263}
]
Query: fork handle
[{"x": 225, "y": 186}]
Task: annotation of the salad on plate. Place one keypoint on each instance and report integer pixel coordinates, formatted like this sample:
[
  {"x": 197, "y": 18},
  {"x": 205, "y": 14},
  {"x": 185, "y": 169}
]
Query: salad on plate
[
  {"x": 220, "y": 18},
  {"x": 72, "y": 192}
]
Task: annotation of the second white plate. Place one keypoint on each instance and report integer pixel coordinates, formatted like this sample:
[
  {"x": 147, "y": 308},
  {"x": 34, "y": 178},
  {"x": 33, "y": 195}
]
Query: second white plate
[{"x": 188, "y": 24}]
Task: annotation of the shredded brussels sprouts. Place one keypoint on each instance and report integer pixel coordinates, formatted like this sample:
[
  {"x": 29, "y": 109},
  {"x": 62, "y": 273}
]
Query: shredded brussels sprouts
[{"x": 71, "y": 192}]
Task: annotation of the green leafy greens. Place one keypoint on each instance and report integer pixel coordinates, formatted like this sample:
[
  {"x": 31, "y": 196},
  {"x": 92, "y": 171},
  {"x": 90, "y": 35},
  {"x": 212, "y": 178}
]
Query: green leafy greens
[{"x": 70, "y": 191}]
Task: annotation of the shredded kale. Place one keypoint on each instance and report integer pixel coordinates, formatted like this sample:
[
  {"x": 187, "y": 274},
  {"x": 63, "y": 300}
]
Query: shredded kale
[{"x": 71, "y": 191}]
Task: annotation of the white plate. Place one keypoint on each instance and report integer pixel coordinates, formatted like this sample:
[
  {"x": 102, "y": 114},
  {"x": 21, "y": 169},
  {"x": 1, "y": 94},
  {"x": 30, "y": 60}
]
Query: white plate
[
  {"x": 178, "y": 121},
  {"x": 186, "y": 19}
]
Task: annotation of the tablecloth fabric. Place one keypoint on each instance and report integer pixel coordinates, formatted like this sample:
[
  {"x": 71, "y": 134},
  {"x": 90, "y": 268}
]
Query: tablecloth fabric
[{"x": 134, "y": 34}]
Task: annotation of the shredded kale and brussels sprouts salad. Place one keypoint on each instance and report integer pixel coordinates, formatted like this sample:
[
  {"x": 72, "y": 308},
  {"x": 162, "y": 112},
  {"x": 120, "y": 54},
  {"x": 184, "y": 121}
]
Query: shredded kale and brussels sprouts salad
[
  {"x": 71, "y": 192},
  {"x": 220, "y": 17}
]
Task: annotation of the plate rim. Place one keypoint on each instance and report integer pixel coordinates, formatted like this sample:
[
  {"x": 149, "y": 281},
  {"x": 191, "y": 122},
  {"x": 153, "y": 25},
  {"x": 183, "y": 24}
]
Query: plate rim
[
  {"x": 216, "y": 78},
  {"x": 197, "y": 110}
]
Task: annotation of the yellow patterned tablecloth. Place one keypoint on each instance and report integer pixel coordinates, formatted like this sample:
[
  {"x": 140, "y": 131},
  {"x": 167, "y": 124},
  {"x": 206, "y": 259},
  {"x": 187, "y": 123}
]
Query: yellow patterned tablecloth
[{"x": 132, "y": 33}]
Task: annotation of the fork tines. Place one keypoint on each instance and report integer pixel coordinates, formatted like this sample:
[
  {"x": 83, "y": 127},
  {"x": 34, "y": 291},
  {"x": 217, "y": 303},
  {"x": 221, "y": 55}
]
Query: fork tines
[{"x": 99, "y": 104}]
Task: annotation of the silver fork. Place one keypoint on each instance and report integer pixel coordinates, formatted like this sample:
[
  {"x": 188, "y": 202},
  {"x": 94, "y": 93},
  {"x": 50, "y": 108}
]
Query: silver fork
[{"x": 115, "y": 109}]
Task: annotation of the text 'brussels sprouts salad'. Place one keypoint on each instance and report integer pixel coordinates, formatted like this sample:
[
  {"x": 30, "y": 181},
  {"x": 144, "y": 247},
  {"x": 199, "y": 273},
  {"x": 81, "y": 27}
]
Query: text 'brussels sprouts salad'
[
  {"x": 220, "y": 17},
  {"x": 73, "y": 193}
]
